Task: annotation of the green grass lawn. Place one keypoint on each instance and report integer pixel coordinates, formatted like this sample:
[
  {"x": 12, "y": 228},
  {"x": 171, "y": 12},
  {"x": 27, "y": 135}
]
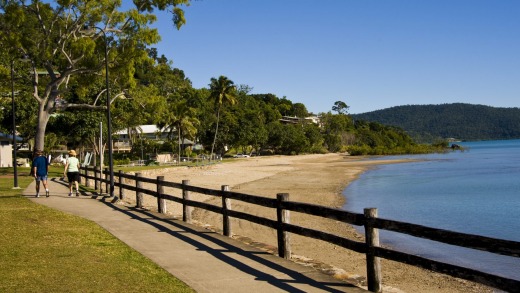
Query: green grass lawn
[{"x": 44, "y": 250}]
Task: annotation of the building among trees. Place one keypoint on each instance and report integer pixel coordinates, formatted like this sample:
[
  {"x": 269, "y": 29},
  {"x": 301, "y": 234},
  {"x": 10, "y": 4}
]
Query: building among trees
[{"x": 6, "y": 149}]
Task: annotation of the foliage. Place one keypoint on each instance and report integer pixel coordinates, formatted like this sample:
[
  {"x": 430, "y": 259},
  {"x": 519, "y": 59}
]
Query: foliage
[
  {"x": 179, "y": 117},
  {"x": 26, "y": 109},
  {"x": 430, "y": 123},
  {"x": 299, "y": 110},
  {"x": 223, "y": 91},
  {"x": 373, "y": 138},
  {"x": 335, "y": 128},
  {"x": 66, "y": 59},
  {"x": 340, "y": 107}
]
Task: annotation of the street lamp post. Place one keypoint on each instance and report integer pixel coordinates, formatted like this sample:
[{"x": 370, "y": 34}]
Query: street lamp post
[
  {"x": 109, "y": 119},
  {"x": 15, "y": 163}
]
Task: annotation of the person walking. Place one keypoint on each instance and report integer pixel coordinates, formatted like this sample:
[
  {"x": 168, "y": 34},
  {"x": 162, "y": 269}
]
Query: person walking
[
  {"x": 72, "y": 171},
  {"x": 40, "y": 169}
]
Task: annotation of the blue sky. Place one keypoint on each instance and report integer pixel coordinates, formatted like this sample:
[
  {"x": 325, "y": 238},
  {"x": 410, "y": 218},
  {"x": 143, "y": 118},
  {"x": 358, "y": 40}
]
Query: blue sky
[{"x": 369, "y": 54}]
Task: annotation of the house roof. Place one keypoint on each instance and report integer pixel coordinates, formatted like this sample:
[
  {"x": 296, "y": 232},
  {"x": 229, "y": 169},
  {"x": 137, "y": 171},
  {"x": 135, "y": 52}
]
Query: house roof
[
  {"x": 149, "y": 128},
  {"x": 186, "y": 141},
  {"x": 9, "y": 137}
]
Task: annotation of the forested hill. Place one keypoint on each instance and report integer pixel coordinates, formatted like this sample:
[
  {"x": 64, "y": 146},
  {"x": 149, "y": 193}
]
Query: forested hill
[{"x": 428, "y": 123}]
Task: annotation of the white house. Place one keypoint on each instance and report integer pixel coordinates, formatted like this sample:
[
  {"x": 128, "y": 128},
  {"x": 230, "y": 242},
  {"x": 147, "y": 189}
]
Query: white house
[
  {"x": 6, "y": 149},
  {"x": 297, "y": 120},
  {"x": 151, "y": 132},
  {"x": 122, "y": 138}
]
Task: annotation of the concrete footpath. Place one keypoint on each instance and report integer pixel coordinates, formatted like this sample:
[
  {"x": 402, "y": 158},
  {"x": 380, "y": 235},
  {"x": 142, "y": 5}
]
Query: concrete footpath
[{"x": 205, "y": 260}]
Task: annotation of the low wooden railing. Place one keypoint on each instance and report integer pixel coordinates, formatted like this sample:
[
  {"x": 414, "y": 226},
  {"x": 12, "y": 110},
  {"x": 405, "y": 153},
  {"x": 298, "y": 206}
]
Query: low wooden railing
[{"x": 369, "y": 220}]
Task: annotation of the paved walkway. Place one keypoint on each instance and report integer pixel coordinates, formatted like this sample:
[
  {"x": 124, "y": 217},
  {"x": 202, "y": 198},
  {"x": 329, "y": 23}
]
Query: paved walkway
[{"x": 206, "y": 261}]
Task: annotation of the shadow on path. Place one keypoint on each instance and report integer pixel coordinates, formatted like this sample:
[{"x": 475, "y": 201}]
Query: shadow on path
[
  {"x": 205, "y": 260},
  {"x": 264, "y": 258}
]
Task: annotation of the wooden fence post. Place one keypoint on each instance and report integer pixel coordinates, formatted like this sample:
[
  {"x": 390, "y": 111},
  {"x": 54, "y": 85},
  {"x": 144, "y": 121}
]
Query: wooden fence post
[
  {"x": 121, "y": 189},
  {"x": 79, "y": 177},
  {"x": 161, "y": 202},
  {"x": 97, "y": 176},
  {"x": 374, "y": 276},
  {"x": 226, "y": 206},
  {"x": 186, "y": 209},
  {"x": 101, "y": 179},
  {"x": 87, "y": 180},
  {"x": 107, "y": 182},
  {"x": 283, "y": 217},
  {"x": 138, "y": 194}
]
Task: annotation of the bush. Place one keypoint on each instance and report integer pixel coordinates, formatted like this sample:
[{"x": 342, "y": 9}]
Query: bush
[
  {"x": 124, "y": 161},
  {"x": 356, "y": 150}
]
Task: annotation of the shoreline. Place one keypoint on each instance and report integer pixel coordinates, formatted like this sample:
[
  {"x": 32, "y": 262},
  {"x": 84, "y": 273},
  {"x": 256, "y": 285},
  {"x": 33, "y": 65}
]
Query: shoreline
[{"x": 316, "y": 179}]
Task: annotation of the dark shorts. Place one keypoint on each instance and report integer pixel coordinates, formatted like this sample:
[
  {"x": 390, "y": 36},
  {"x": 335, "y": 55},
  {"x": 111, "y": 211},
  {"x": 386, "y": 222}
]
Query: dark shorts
[{"x": 73, "y": 176}]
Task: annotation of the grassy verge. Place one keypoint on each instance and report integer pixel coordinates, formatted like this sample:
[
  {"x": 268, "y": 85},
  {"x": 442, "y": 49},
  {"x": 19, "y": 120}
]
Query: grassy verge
[{"x": 44, "y": 250}]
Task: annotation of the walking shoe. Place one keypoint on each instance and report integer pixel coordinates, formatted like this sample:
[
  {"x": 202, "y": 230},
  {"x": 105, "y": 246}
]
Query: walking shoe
[
  {"x": 47, "y": 193},
  {"x": 70, "y": 193},
  {"x": 37, "y": 195},
  {"x": 77, "y": 193}
]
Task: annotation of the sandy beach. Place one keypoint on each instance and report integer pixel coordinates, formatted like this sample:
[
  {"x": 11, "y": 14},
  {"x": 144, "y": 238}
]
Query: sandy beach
[{"x": 317, "y": 179}]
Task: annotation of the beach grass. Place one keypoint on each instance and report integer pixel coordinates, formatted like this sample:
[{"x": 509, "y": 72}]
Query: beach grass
[{"x": 44, "y": 250}]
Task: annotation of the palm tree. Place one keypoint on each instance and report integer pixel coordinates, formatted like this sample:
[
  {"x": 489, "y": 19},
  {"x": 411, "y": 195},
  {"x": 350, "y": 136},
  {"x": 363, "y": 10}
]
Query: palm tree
[
  {"x": 223, "y": 91},
  {"x": 180, "y": 118}
]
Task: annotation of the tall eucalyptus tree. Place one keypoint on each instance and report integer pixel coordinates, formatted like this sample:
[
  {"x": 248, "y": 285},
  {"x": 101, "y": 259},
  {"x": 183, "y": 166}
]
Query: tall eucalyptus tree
[{"x": 52, "y": 35}]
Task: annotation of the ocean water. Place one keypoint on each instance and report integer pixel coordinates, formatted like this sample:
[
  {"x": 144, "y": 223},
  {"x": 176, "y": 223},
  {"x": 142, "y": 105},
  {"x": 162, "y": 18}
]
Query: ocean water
[{"x": 475, "y": 191}]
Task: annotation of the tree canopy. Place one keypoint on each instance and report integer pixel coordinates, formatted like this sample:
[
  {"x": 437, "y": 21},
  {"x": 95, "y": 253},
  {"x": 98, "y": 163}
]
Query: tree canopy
[
  {"x": 65, "y": 42},
  {"x": 429, "y": 123},
  {"x": 223, "y": 92}
]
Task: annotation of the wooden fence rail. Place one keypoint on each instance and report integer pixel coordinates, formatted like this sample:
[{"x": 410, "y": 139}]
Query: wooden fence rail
[{"x": 281, "y": 204}]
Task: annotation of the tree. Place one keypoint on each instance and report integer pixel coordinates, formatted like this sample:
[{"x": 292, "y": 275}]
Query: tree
[
  {"x": 180, "y": 118},
  {"x": 295, "y": 142},
  {"x": 299, "y": 110},
  {"x": 75, "y": 130},
  {"x": 340, "y": 107},
  {"x": 314, "y": 137},
  {"x": 223, "y": 92},
  {"x": 285, "y": 106},
  {"x": 25, "y": 109},
  {"x": 26, "y": 112},
  {"x": 62, "y": 53},
  {"x": 334, "y": 128},
  {"x": 275, "y": 137},
  {"x": 251, "y": 133}
]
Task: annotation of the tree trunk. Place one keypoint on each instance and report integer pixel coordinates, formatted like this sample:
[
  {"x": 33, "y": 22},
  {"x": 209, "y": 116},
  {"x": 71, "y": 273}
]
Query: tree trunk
[
  {"x": 43, "y": 119},
  {"x": 215, "y": 137},
  {"x": 179, "y": 139},
  {"x": 93, "y": 142}
]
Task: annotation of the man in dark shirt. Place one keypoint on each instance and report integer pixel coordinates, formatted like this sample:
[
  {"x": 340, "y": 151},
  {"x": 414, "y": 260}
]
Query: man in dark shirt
[{"x": 40, "y": 167}]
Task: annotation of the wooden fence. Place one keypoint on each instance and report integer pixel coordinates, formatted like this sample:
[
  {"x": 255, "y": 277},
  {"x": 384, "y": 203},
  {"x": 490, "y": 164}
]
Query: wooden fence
[{"x": 282, "y": 225}]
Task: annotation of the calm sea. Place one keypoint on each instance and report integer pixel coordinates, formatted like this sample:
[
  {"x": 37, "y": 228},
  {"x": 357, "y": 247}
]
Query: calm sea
[{"x": 476, "y": 191}]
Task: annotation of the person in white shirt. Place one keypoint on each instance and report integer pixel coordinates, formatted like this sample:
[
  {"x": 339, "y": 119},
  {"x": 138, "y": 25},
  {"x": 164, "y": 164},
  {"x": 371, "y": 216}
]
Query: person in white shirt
[{"x": 72, "y": 171}]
